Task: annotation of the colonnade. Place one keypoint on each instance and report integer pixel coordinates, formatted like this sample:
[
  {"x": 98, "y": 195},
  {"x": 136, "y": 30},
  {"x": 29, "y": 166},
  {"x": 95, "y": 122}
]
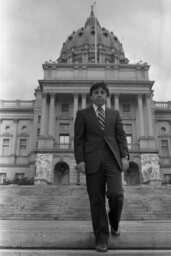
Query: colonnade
[
  {"x": 50, "y": 112},
  {"x": 14, "y": 146},
  {"x": 141, "y": 114}
]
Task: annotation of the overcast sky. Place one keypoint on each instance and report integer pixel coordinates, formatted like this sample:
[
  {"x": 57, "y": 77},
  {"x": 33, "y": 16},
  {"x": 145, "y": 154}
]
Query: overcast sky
[{"x": 33, "y": 31}]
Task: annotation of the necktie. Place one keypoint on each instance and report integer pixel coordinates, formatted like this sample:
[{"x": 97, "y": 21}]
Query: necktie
[{"x": 101, "y": 117}]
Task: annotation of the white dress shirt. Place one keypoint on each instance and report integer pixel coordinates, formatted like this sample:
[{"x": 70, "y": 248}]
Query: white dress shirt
[{"x": 96, "y": 109}]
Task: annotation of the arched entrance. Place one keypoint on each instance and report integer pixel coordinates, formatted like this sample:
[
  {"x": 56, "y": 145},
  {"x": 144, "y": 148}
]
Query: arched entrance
[
  {"x": 132, "y": 176},
  {"x": 61, "y": 174}
]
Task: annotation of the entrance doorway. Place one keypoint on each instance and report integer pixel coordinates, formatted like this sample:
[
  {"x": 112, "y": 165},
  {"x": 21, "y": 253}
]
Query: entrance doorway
[
  {"x": 132, "y": 176},
  {"x": 61, "y": 174}
]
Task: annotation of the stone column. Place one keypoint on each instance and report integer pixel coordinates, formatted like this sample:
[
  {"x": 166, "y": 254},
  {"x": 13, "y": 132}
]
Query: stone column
[
  {"x": 83, "y": 100},
  {"x": 43, "y": 115},
  {"x": 123, "y": 178},
  {"x": 14, "y": 145},
  {"x": 0, "y": 126},
  {"x": 51, "y": 115},
  {"x": 83, "y": 106},
  {"x": 149, "y": 115},
  {"x": 1, "y": 139},
  {"x": 1, "y": 131},
  {"x": 141, "y": 115},
  {"x": 116, "y": 101},
  {"x": 34, "y": 131},
  {"x": 75, "y": 107},
  {"x": 109, "y": 101},
  {"x": 101, "y": 56}
]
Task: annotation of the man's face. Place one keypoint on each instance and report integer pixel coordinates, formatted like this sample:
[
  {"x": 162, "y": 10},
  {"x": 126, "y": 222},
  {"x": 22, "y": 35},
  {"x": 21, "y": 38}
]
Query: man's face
[{"x": 99, "y": 97}]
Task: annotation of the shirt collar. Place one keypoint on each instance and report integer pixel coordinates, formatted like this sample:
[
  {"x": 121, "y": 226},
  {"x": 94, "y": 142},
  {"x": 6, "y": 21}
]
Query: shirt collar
[{"x": 96, "y": 107}]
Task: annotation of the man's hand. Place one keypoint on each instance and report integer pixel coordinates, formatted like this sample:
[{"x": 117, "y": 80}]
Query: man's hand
[
  {"x": 125, "y": 164},
  {"x": 81, "y": 167}
]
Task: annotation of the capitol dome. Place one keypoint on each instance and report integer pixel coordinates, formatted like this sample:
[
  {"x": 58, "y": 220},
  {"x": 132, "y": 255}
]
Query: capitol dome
[{"x": 92, "y": 44}]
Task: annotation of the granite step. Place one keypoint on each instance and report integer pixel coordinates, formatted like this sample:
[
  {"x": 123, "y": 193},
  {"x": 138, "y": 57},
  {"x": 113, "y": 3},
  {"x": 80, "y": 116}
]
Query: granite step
[
  {"x": 78, "y": 235},
  {"x": 53, "y": 252},
  {"x": 71, "y": 202}
]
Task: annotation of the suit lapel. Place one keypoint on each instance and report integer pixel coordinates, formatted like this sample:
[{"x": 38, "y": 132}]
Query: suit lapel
[
  {"x": 92, "y": 116},
  {"x": 108, "y": 118}
]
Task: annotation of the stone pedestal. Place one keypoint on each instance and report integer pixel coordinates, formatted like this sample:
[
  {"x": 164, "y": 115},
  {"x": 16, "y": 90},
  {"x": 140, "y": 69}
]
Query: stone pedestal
[
  {"x": 155, "y": 183},
  {"x": 150, "y": 169},
  {"x": 46, "y": 142},
  {"x": 43, "y": 169},
  {"x": 147, "y": 143}
]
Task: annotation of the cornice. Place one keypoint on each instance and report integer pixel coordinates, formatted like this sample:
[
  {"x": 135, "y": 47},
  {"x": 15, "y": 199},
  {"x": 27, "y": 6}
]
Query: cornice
[
  {"x": 14, "y": 166},
  {"x": 163, "y": 110},
  {"x": 97, "y": 65},
  {"x": 6, "y": 135},
  {"x": 53, "y": 85},
  {"x": 23, "y": 135},
  {"x": 53, "y": 151},
  {"x": 74, "y": 82}
]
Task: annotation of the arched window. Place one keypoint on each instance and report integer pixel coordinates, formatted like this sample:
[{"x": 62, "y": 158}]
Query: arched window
[
  {"x": 24, "y": 128},
  {"x": 163, "y": 129},
  {"x": 105, "y": 34},
  {"x": 7, "y": 128}
]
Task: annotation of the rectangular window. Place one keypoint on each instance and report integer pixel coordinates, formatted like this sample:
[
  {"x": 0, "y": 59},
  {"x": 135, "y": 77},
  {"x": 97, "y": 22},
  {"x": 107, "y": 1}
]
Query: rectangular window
[
  {"x": 64, "y": 127},
  {"x": 127, "y": 128},
  {"x": 129, "y": 141},
  {"x": 38, "y": 131},
  {"x": 64, "y": 141},
  {"x": 6, "y": 147},
  {"x": 65, "y": 107},
  {"x": 39, "y": 119},
  {"x": 126, "y": 108},
  {"x": 167, "y": 179},
  {"x": 165, "y": 148},
  {"x": 23, "y": 147},
  {"x": 3, "y": 177}
]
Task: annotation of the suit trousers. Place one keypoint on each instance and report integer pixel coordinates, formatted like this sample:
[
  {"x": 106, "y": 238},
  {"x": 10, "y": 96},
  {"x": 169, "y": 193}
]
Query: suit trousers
[{"x": 106, "y": 182}]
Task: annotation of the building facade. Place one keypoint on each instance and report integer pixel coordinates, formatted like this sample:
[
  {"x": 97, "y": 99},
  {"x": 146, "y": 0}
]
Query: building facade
[{"x": 36, "y": 137}]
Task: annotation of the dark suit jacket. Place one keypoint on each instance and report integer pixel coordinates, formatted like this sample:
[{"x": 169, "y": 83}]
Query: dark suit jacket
[{"x": 89, "y": 139}]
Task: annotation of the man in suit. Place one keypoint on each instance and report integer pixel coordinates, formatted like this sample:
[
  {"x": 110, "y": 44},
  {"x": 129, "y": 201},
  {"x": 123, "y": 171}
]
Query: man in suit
[{"x": 101, "y": 153}]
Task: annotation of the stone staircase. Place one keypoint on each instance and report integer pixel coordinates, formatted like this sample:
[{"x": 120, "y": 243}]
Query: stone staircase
[
  {"x": 71, "y": 203},
  {"x": 55, "y": 220}
]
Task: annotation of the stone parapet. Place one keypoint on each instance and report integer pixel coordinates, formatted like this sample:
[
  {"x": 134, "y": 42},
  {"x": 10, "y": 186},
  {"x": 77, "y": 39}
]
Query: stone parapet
[
  {"x": 16, "y": 104},
  {"x": 108, "y": 71}
]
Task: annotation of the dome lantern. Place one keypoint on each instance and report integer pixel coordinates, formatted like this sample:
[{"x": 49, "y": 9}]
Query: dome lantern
[{"x": 92, "y": 20}]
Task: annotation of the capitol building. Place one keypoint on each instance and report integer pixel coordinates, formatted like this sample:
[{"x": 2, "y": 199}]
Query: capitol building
[{"x": 36, "y": 137}]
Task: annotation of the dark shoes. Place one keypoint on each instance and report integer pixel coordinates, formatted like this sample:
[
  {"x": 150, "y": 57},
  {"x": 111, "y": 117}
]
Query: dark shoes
[
  {"x": 115, "y": 232},
  {"x": 101, "y": 247}
]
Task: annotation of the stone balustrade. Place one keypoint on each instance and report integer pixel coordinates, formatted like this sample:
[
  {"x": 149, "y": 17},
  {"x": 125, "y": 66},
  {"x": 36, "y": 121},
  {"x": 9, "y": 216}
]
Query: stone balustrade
[
  {"x": 16, "y": 104},
  {"x": 63, "y": 147},
  {"x": 162, "y": 105}
]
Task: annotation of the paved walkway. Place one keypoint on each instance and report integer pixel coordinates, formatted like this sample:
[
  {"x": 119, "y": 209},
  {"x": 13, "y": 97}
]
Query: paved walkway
[
  {"x": 31, "y": 252},
  {"x": 79, "y": 235}
]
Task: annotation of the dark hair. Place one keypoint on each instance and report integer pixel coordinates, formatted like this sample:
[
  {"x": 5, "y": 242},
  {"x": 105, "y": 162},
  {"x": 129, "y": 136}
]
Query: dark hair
[{"x": 98, "y": 85}]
